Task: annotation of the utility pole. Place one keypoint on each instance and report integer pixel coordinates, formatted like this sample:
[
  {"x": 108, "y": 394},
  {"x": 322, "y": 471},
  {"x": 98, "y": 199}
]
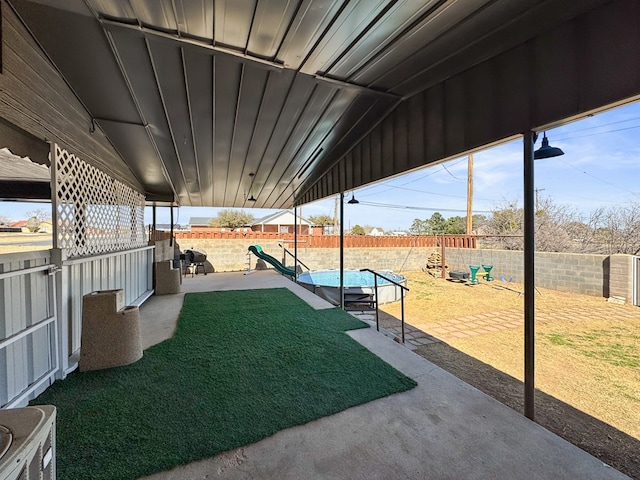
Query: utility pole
[
  {"x": 470, "y": 194},
  {"x": 538, "y": 203}
]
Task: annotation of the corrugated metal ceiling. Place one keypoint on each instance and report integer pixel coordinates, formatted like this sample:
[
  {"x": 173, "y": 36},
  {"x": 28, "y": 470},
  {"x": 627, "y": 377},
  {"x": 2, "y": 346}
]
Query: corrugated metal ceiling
[{"x": 197, "y": 95}]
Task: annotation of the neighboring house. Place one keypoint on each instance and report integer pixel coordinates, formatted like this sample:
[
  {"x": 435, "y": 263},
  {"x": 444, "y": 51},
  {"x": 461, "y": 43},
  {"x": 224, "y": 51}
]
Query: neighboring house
[
  {"x": 21, "y": 224},
  {"x": 399, "y": 233},
  {"x": 45, "y": 227},
  {"x": 279, "y": 222},
  {"x": 199, "y": 222},
  {"x": 167, "y": 227},
  {"x": 282, "y": 222},
  {"x": 374, "y": 231},
  {"x": 203, "y": 223}
]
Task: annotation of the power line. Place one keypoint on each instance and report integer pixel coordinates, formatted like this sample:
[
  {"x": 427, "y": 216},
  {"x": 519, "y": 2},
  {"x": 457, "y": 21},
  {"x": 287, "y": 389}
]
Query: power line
[
  {"x": 597, "y": 133},
  {"x": 434, "y": 193},
  {"x": 605, "y": 124},
  {"x": 447, "y": 170},
  {"x": 596, "y": 178},
  {"x": 410, "y": 207},
  {"x": 389, "y": 187}
]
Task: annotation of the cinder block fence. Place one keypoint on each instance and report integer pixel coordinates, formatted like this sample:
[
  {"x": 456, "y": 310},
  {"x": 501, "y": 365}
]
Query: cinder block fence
[{"x": 597, "y": 275}]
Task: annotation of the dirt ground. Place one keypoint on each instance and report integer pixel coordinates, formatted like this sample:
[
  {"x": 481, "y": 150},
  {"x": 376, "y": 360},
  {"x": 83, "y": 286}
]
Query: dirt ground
[
  {"x": 24, "y": 242},
  {"x": 587, "y": 358}
]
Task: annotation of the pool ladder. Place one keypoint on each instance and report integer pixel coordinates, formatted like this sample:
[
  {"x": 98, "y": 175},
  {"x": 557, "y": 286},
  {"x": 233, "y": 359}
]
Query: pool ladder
[
  {"x": 358, "y": 301},
  {"x": 374, "y": 302}
]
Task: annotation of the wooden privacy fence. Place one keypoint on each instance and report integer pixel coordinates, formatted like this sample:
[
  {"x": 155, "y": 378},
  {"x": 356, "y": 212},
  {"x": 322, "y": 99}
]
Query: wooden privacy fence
[{"x": 326, "y": 241}]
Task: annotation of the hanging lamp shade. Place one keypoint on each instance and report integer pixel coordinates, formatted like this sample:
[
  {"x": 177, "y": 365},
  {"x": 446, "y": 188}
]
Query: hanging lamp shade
[
  {"x": 546, "y": 151},
  {"x": 353, "y": 200},
  {"x": 251, "y": 198}
]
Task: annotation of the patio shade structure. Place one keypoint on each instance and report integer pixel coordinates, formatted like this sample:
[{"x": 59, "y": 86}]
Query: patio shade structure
[
  {"x": 183, "y": 99},
  {"x": 320, "y": 97}
]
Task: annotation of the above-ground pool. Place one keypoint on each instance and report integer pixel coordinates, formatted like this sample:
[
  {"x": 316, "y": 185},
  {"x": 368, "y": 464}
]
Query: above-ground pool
[{"x": 326, "y": 284}]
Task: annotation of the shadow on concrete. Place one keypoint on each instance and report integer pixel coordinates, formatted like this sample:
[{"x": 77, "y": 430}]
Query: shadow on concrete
[
  {"x": 600, "y": 439},
  {"x": 594, "y": 436}
]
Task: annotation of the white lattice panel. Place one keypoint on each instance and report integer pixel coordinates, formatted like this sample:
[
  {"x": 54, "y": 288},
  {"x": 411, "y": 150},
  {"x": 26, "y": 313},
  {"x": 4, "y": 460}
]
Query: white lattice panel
[{"x": 95, "y": 213}]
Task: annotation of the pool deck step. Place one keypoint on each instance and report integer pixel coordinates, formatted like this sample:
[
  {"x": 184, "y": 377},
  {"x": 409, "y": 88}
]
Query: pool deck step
[{"x": 358, "y": 301}]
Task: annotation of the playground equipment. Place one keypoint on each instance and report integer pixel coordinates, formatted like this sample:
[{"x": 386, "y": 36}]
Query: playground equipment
[
  {"x": 504, "y": 279},
  {"x": 258, "y": 252},
  {"x": 487, "y": 269},
  {"x": 475, "y": 273}
]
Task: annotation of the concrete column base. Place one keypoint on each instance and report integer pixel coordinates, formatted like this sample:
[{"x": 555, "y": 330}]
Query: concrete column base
[
  {"x": 110, "y": 331},
  {"x": 167, "y": 278}
]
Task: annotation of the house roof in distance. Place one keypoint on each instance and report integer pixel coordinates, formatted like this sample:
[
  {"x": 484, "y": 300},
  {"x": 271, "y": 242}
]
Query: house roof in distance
[
  {"x": 200, "y": 221},
  {"x": 279, "y": 218}
]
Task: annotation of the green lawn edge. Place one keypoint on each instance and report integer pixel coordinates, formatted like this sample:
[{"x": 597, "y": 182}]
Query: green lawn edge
[{"x": 241, "y": 366}]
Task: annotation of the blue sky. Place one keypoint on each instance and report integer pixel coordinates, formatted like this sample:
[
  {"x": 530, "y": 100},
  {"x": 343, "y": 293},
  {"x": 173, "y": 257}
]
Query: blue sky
[{"x": 600, "y": 168}]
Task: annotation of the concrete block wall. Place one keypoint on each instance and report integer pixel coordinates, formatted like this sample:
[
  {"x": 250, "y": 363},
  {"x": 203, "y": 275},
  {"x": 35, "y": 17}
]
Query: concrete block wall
[
  {"x": 164, "y": 251},
  {"x": 230, "y": 255},
  {"x": 620, "y": 271},
  {"x": 589, "y": 274},
  {"x": 398, "y": 259},
  {"x": 572, "y": 272},
  {"x": 598, "y": 275}
]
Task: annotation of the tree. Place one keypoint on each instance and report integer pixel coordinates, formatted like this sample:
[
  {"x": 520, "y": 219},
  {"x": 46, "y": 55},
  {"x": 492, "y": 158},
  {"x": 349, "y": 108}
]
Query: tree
[
  {"x": 438, "y": 223},
  {"x": 321, "y": 220},
  {"x": 506, "y": 223},
  {"x": 35, "y": 218},
  {"x": 420, "y": 227},
  {"x": 617, "y": 229},
  {"x": 456, "y": 226},
  {"x": 357, "y": 230},
  {"x": 477, "y": 221},
  {"x": 4, "y": 220},
  {"x": 231, "y": 218}
]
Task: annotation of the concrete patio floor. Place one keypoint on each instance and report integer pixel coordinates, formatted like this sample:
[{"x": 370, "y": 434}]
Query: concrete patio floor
[{"x": 442, "y": 429}]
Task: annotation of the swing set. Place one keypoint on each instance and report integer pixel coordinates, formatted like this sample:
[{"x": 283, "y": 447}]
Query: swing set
[
  {"x": 486, "y": 274},
  {"x": 472, "y": 277}
]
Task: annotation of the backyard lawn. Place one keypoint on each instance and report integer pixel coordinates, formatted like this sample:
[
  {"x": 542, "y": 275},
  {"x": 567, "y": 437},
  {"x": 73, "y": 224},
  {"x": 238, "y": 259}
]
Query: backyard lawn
[{"x": 587, "y": 357}]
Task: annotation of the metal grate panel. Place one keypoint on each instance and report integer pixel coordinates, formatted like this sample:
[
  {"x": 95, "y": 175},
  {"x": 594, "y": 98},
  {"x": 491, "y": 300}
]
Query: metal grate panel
[{"x": 95, "y": 213}]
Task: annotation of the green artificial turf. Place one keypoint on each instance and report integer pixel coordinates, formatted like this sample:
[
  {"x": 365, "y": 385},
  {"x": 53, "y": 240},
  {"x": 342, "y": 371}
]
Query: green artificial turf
[{"x": 241, "y": 366}]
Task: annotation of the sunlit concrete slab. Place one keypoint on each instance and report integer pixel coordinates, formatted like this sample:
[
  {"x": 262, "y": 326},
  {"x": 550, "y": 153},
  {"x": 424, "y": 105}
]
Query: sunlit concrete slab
[{"x": 442, "y": 429}]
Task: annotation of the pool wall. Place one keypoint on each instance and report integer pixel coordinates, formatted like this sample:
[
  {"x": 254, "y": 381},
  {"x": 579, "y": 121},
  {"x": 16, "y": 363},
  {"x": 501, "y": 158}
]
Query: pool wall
[{"x": 387, "y": 292}]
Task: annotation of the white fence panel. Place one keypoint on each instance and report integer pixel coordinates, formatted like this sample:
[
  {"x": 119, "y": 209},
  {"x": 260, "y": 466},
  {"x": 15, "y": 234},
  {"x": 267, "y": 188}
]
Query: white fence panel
[
  {"x": 28, "y": 330},
  {"x": 130, "y": 270}
]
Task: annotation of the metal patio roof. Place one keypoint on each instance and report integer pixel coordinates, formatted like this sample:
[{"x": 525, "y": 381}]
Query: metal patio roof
[{"x": 198, "y": 95}]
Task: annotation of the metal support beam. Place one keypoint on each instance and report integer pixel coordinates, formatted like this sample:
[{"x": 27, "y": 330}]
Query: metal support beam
[
  {"x": 529, "y": 278},
  {"x": 149, "y": 32},
  {"x": 295, "y": 241},
  {"x": 342, "y": 250},
  {"x": 171, "y": 238}
]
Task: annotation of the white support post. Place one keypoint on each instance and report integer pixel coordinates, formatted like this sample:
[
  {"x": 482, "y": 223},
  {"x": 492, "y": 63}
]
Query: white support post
[
  {"x": 54, "y": 194},
  {"x": 58, "y": 256}
]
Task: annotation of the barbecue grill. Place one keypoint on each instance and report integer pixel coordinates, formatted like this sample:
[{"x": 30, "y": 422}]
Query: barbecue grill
[{"x": 195, "y": 259}]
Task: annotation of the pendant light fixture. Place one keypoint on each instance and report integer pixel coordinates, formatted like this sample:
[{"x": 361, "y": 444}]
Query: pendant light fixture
[{"x": 546, "y": 151}]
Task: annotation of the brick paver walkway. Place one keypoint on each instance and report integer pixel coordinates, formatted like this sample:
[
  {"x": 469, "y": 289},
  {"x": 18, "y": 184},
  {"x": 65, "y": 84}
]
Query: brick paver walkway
[{"x": 481, "y": 324}]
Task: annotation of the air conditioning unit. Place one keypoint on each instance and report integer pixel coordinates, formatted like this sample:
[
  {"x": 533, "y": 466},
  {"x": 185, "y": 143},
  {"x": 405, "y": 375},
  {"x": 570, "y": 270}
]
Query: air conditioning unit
[{"x": 27, "y": 443}]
